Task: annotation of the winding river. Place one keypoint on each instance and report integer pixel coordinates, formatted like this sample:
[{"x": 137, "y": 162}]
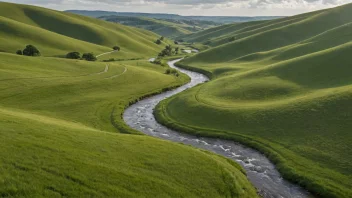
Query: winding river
[{"x": 260, "y": 171}]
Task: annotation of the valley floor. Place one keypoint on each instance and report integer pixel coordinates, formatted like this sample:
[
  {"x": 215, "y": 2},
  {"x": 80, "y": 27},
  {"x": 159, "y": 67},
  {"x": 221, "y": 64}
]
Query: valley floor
[{"x": 61, "y": 125}]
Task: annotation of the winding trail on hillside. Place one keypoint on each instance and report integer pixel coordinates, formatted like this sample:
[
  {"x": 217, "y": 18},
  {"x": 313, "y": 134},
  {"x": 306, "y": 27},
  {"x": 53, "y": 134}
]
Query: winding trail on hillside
[
  {"x": 117, "y": 75},
  {"x": 260, "y": 171},
  {"x": 106, "y": 53}
]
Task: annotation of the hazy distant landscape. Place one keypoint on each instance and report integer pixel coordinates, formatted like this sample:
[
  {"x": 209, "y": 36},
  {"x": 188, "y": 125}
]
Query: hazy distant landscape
[
  {"x": 217, "y": 19},
  {"x": 133, "y": 104},
  {"x": 169, "y": 25}
]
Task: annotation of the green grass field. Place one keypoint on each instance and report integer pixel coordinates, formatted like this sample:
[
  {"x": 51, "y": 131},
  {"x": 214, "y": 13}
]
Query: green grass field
[
  {"x": 62, "y": 133},
  {"x": 284, "y": 89},
  {"x": 21, "y": 25}
]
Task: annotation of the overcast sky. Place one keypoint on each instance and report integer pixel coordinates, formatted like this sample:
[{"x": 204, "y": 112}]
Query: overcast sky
[{"x": 193, "y": 7}]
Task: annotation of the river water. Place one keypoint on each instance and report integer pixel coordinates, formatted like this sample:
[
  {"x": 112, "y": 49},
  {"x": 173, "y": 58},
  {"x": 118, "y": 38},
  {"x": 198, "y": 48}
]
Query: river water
[{"x": 260, "y": 171}]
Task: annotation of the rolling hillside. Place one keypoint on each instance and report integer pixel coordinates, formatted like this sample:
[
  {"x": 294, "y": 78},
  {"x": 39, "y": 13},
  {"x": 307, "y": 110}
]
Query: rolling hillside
[
  {"x": 283, "y": 87},
  {"x": 62, "y": 134},
  {"x": 22, "y": 24},
  {"x": 166, "y": 27},
  {"x": 165, "y": 16}
]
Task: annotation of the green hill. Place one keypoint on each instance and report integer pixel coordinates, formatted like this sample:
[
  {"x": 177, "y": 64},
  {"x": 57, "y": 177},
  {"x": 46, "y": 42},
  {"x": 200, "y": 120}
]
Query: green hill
[
  {"x": 60, "y": 32},
  {"x": 166, "y": 16},
  {"x": 283, "y": 87},
  {"x": 62, "y": 134},
  {"x": 170, "y": 28}
]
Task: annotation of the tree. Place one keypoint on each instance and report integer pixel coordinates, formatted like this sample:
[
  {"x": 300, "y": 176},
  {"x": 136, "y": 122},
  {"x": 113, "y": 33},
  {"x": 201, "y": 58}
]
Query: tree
[
  {"x": 19, "y": 52},
  {"x": 168, "y": 47},
  {"x": 162, "y": 38},
  {"x": 73, "y": 55},
  {"x": 232, "y": 39},
  {"x": 158, "y": 41},
  {"x": 176, "y": 42},
  {"x": 166, "y": 52},
  {"x": 176, "y": 50},
  {"x": 116, "y": 48},
  {"x": 30, "y": 50},
  {"x": 89, "y": 57}
]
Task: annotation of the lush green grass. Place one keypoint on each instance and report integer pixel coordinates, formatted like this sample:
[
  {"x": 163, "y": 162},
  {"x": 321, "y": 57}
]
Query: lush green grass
[
  {"x": 61, "y": 128},
  {"x": 60, "y": 125},
  {"x": 21, "y": 25},
  {"x": 286, "y": 91}
]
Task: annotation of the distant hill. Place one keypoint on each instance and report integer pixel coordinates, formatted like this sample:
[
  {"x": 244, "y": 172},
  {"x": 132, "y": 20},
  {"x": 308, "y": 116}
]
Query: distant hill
[
  {"x": 170, "y": 28},
  {"x": 217, "y": 19}
]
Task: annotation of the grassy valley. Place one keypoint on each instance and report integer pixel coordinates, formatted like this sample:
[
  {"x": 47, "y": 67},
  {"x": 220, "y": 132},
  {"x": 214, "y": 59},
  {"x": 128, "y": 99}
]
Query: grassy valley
[
  {"x": 283, "y": 87},
  {"x": 166, "y": 16},
  {"x": 170, "y": 28},
  {"x": 62, "y": 134}
]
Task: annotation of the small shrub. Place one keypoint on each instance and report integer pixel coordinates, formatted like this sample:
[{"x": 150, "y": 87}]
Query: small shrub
[
  {"x": 232, "y": 39},
  {"x": 158, "y": 41},
  {"x": 176, "y": 42},
  {"x": 31, "y": 50},
  {"x": 73, "y": 55},
  {"x": 19, "y": 52},
  {"x": 162, "y": 38},
  {"x": 116, "y": 48},
  {"x": 172, "y": 72},
  {"x": 89, "y": 57}
]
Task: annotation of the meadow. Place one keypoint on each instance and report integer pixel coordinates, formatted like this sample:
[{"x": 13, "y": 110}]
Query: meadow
[
  {"x": 62, "y": 133},
  {"x": 283, "y": 87}
]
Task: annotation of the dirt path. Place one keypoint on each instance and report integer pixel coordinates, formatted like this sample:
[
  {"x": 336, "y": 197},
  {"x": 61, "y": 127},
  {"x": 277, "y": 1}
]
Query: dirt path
[
  {"x": 118, "y": 74},
  {"x": 106, "y": 53}
]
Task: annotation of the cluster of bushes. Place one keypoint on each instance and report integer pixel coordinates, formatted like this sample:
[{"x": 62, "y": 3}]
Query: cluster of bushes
[
  {"x": 172, "y": 72},
  {"x": 85, "y": 56},
  {"x": 116, "y": 48},
  {"x": 168, "y": 51},
  {"x": 159, "y": 62},
  {"x": 159, "y": 41},
  {"x": 30, "y": 50}
]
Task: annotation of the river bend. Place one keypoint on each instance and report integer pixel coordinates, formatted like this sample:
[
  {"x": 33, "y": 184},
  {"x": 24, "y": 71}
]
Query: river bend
[{"x": 260, "y": 171}]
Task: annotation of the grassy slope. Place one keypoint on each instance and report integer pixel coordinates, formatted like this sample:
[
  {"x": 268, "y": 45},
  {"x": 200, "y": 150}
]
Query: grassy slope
[
  {"x": 58, "y": 139},
  {"x": 289, "y": 97},
  {"x": 21, "y": 23},
  {"x": 221, "y": 35},
  {"x": 61, "y": 124}
]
